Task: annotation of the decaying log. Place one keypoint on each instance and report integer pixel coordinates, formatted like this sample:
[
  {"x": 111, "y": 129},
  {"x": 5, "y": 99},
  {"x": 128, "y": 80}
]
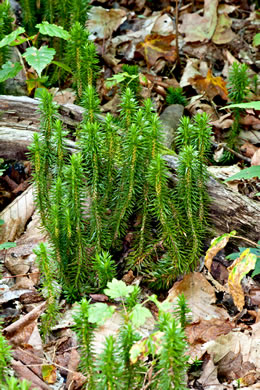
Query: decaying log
[{"x": 229, "y": 210}]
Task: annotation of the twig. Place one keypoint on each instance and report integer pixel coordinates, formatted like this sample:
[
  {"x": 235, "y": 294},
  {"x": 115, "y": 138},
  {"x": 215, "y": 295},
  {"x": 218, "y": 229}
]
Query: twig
[
  {"x": 239, "y": 155},
  {"x": 247, "y": 240},
  {"x": 177, "y": 33}
]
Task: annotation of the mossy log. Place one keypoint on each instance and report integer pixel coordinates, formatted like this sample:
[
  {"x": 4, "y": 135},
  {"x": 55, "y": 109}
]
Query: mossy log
[{"x": 19, "y": 118}]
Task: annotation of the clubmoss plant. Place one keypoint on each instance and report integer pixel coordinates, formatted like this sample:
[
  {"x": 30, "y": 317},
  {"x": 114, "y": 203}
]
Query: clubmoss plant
[
  {"x": 238, "y": 90},
  {"x": 126, "y": 179},
  {"x": 176, "y": 96},
  {"x": 5, "y": 355},
  {"x": 50, "y": 289},
  {"x": 6, "y": 20},
  {"x": 123, "y": 363}
]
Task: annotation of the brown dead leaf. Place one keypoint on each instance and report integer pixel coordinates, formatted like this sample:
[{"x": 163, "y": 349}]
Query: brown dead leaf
[
  {"x": 157, "y": 46},
  {"x": 204, "y": 331},
  {"x": 240, "y": 267},
  {"x": 210, "y": 85},
  {"x": 200, "y": 296},
  {"x": 256, "y": 158},
  {"x": 248, "y": 149},
  {"x": 224, "y": 122},
  {"x": 200, "y": 28},
  {"x": 103, "y": 22},
  {"x": 163, "y": 25},
  {"x": 20, "y": 332}
]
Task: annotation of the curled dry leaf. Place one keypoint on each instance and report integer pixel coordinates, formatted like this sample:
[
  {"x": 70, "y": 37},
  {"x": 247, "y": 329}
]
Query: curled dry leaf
[
  {"x": 240, "y": 267},
  {"x": 216, "y": 245},
  {"x": 103, "y": 22},
  {"x": 157, "y": 46},
  {"x": 256, "y": 158},
  {"x": 210, "y": 85},
  {"x": 223, "y": 33},
  {"x": 248, "y": 149},
  {"x": 200, "y": 28}
]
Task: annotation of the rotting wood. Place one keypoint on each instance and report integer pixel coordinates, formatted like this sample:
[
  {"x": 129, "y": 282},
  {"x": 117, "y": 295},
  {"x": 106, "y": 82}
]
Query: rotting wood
[{"x": 229, "y": 210}]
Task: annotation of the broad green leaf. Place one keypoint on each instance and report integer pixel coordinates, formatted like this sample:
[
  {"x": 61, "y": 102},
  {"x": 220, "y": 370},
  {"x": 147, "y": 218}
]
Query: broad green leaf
[
  {"x": 53, "y": 30},
  {"x": 9, "y": 70},
  {"x": 241, "y": 266},
  {"x": 2, "y": 222},
  {"x": 11, "y": 37},
  {"x": 255, "y": 105},
  {"x": 139, "y": 315},
  {"x": 216, "y": 245},
  {"x": 99, "y": 312},
  {"x": 246, "y": 173},
  {"x": 63, "y": 66},
  {"x": 118, "y": 289},
  {"x": 256, "y": 40},
  {"x": 21, "y": 39},
  {"x": 7, "y": 245},
  {"x": 39, "y": 58}
]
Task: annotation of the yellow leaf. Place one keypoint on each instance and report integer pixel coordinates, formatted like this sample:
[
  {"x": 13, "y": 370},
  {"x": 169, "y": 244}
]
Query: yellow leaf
[
  {"x": 240, "y": 267},
  {"x": 157, "y": 46},
  {"x": 49, "y": 373},
  {"x": 216, "y": 245}
]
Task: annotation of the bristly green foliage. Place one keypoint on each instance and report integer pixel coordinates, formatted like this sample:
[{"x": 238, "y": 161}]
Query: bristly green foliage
[
  {"x": 6, "y": 20},
  {"x": 176, "y": 96},
  {"x": 123, "y": 363},
  {"x": 172, "y": 360},
  {"x": 123, "y": 173},
  {"x": 238, "y": 90},
  {"x": 85, "y": 334},
  {"x": 50, "y": 289},
  {"x": 105, "y": 268},
  {"x": 11, "y": 383},
  {"x": 74, "y": 55},
  {"x": 29, "y": 15},
  {"x": 132, "y": 82},
  {"x": 5, "y": 355}
]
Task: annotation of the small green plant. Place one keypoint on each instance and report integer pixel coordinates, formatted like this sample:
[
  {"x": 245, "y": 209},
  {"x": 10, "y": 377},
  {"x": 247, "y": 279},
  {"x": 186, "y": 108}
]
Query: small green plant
[
  {"x": 5, "y": 356},
  {"x": 255, "y": 251},
  {"x": 176, "y": 96},
  {"x": 128, "y": 78},
  {"x": 238, "y": 90},
  {"x": 122, "y": 363},
  {"x": 126, "y": 179},
  {"x": 50, "y": 289},
  {"x": 38, "y": 59}
]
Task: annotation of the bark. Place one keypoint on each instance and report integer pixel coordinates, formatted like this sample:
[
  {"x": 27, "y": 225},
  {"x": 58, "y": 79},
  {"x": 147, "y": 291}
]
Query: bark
[{"x": 229, "y": 210}]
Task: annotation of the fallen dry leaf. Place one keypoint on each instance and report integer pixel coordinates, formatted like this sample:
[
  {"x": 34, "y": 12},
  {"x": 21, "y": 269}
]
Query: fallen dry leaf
[
  {"x": 240, "y": 267},
  {"x": 190, "y": 71},
  {"x": 216, "y": 245},
  {"x": 223, "y": 33},
  {"x": 224, "y": 122},
  {"x": 203, "y": 331},
  {"x": 256, "y": 158},
  {"x": 103, "y": 22},
  {"x": 200, "y": 296},
  {"x": 248, "y": 149},
  {"x": 163, "y": 25},
  {"x": 210, "y": 85},
  {"x": 200, "y": 28},
  {"x": 157, "y": 46}
]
